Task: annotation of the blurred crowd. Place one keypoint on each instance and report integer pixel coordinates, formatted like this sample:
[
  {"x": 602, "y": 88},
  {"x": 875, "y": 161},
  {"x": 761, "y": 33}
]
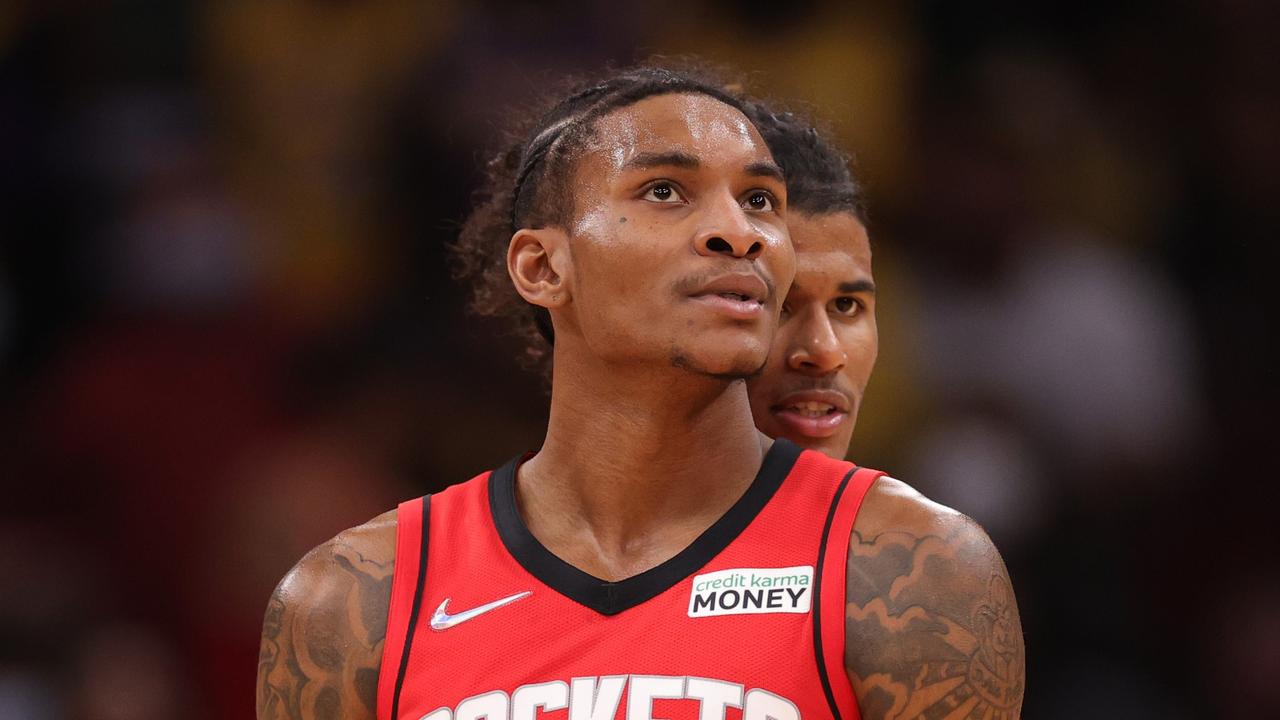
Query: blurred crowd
[{"x": 228, "y": 328}]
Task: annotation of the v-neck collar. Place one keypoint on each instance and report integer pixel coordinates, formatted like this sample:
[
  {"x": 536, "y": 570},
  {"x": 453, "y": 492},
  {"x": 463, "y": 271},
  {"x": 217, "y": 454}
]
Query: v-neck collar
[{"x": 611, "y": 598}]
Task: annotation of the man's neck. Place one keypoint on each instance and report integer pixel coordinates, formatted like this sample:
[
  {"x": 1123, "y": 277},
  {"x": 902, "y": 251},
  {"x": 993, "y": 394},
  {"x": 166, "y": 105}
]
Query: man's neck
[{"x": 636, "y": 464}]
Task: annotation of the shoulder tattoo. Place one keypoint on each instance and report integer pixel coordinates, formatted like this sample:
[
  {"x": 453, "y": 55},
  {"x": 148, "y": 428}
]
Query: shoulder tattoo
[
  {"x": 933, "y": 628},
  {"x": 322, "y": 638}
]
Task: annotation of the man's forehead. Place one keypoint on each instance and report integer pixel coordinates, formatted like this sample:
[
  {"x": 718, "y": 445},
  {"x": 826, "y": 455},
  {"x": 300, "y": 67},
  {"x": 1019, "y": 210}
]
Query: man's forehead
[
  {"x": 831, "y": 249},
  {"x": 836, "y": 262},
  {"x": 831, "y": 236},
  {"x": 692, "y": 124}
]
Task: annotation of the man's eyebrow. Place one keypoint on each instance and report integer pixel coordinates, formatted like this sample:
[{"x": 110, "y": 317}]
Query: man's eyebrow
[
  {"x": 675, "y": 158},
  {"x": 857, "y": 286},
  {"x": 766, "y": 169}
]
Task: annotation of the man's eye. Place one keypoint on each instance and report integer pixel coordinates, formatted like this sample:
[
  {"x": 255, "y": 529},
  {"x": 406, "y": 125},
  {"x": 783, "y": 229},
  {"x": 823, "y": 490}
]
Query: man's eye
[
  {"x": 846, "y": 305},
  {"x": 663, "y": 193},
  {"x": 760, "y": 201}
]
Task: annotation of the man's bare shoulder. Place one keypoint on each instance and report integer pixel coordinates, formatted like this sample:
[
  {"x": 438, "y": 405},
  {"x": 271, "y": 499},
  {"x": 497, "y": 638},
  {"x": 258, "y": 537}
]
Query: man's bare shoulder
[
  {"x": 932, "y": 623},
  {"x": 325, "y": 625}
]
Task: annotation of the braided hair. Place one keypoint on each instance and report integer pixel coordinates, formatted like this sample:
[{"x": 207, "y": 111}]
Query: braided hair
[{"x": 528, "y": 186}]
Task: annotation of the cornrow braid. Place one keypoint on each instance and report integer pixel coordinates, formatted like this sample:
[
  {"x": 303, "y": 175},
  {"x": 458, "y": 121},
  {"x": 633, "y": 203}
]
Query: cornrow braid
[{"x": 536, "y": 149}]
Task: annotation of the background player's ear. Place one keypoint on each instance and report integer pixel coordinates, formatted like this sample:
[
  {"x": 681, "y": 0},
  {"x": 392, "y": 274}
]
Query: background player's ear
[{"x": 538, "y": 262}]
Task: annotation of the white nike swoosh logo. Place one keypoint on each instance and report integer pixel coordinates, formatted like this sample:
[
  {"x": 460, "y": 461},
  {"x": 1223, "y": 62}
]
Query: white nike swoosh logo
[{"x": 441, "y": 620}]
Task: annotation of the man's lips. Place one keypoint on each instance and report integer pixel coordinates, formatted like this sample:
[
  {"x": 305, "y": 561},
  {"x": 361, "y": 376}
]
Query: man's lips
[
  {"x": 813, "y": 413},
  {"x": 738, "y": 294}
]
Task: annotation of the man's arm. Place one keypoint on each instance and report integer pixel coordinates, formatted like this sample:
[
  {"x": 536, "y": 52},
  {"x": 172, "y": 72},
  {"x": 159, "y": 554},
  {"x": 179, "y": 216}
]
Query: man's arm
[
  {"x": 932, "y": 626},
  {"x": 324, "y": 629}
]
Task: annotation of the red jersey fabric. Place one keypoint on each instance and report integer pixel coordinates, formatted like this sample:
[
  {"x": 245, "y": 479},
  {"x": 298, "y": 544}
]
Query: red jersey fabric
[{"x": 747, "y": 623}]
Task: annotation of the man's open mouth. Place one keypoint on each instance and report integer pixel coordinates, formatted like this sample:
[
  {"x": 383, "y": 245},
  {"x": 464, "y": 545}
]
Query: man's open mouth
[
  {"x": 811, "y": 408},
  {"x": 738, "y": 297},
  {"x": 813, "y": 413}
]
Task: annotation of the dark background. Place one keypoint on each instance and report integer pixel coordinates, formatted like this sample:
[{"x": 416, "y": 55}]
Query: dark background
[{"x": 228, "y": 330}]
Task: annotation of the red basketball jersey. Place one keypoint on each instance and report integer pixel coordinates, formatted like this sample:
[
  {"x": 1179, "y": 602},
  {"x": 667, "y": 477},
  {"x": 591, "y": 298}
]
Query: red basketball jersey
[{"x": 747, "y": 623}]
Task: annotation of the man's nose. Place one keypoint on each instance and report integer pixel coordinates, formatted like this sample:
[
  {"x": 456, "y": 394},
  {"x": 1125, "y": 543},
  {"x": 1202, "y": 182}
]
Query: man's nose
[
  {"x": 814, "y": 348},
  {"x": 728, "y": 231}
]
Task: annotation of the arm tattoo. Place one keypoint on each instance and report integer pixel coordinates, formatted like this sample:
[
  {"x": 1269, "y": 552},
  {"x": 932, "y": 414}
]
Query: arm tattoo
[
  {"x": 322, "y": 638},
  {"x": 933, "y": 628}
]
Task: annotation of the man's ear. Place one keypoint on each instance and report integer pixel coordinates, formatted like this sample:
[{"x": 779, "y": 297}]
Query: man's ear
[{"x": 538, "y": 262}]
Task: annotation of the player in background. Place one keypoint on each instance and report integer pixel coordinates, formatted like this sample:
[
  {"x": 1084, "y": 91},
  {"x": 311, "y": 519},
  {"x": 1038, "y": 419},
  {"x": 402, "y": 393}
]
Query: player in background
[
  {"x": 810, "y": 392},
  {"x": 826, "y": 346},
  {"x": 647, "y": 227}
]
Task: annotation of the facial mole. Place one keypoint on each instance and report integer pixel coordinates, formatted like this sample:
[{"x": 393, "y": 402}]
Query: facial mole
[{"x": 622, "y": 221}]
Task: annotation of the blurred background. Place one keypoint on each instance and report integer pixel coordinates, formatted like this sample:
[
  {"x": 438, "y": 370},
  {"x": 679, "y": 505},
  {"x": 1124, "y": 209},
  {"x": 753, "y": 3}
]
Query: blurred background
[{"x": 228, "y": 330}]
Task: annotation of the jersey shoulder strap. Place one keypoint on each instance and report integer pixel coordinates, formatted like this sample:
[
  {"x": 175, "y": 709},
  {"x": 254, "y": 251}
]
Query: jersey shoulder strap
[
  {"x": 408, "y": 578},
  {"x": 830, "y": 591}
]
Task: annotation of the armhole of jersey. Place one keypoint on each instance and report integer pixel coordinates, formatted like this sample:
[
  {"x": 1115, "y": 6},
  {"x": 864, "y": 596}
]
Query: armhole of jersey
[
  {"x": 413, "y": 520},
  {"x": 830, "y": 589}
]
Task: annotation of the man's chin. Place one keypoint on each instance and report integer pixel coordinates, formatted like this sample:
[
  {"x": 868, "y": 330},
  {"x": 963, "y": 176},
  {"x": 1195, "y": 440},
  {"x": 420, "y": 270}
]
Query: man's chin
[
  {"x": 830, "y": 447},
  {"x": 836, "y": 446},
  {"x": 743, "y": 366}
]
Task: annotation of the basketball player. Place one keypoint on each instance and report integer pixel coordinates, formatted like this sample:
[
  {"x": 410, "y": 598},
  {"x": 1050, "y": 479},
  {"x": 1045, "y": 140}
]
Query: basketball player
[
  {"x": 657, "y": 558},
  {"x": 809, "y": 392},
  {"x": 826, "y": 346}
]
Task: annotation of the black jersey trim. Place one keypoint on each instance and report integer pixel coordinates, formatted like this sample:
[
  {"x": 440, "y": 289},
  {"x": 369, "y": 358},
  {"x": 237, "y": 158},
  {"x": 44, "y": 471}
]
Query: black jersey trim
[
  {"x": 417, "y": 605},
  {"x": 817, "y": 593},
  {"x": 611, "y": 598}
]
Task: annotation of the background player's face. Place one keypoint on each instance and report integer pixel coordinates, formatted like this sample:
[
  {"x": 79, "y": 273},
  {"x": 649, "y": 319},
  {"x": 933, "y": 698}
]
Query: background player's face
[
  {"x": 680, "y": 249},
  {"x": 826, "y": 344}
]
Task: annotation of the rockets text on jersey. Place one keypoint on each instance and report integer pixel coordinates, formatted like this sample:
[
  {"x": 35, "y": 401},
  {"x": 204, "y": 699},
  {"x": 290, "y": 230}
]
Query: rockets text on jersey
[{"x": 601, "y": 698}]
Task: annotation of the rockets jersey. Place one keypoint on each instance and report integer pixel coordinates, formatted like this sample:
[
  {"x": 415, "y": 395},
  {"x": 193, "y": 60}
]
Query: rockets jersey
[{"x": 746, "y": 623}]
